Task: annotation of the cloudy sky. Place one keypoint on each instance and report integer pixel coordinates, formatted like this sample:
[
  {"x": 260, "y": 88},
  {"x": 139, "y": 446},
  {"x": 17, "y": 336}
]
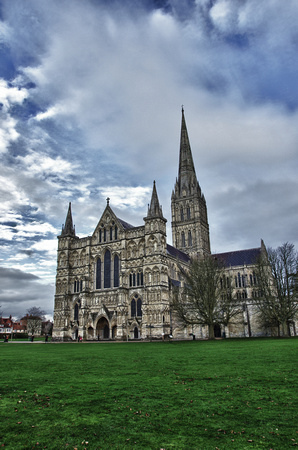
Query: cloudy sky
[{"x": 90, "y": 107}]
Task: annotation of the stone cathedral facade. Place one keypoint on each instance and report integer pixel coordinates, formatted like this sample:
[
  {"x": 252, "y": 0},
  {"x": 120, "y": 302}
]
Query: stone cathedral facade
[{"x": 117, "y": 283}]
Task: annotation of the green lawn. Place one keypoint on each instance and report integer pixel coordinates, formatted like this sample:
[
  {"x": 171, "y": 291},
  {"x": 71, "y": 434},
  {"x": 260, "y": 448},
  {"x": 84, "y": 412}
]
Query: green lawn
[{"x": 227, "y": 394}]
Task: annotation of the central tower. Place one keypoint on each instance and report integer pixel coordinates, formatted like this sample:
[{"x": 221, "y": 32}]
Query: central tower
[{"x": 190, "y": 229}]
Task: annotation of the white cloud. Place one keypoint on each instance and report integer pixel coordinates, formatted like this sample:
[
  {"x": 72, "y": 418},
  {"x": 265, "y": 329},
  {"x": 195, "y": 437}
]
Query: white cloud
[
  {"x": 221, "y": 13},
  {"x": 41, "y": 164},
  {"x": 47, "y": 245},
  {"x": 8, "y": 96},
  {"x": 126, "y": 197}
]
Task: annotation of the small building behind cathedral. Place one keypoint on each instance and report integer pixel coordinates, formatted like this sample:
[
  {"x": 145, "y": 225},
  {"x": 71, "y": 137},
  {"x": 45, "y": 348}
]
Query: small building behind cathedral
[{"x": 118, "y": 283}]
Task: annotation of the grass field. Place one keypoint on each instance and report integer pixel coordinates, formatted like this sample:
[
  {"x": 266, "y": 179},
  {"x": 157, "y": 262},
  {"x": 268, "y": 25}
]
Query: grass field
[{"x": 227, "y": 394}]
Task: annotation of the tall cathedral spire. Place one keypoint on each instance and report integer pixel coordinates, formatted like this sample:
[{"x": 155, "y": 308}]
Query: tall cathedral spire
[
  {"x": 190, "y": 229},
  {"x": 68, "y": 229},
  {"x": 186, "y": 166}
]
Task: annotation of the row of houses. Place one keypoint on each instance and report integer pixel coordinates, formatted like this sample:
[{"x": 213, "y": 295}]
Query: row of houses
[{"x": 31, "y": 325}]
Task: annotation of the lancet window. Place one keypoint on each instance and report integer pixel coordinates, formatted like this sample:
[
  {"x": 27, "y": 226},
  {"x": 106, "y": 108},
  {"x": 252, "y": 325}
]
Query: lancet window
[
  {"x": 136, "y": 279},
  {"x": 98, "y": 274},
  {"x": 108, "y": 272},
  {"x": 116, "y": 271},
  {"x": 136, "y": 306},
  {"x": 189, "y": 239},
  {"x": 182, "y": 239},
  {"x": 107, "y": 269},
  {"x": 77, "y": 286}
]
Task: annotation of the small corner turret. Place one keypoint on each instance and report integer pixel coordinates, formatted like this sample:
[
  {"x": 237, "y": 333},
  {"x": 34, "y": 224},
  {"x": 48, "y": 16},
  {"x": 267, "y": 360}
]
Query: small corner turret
[
  {"x": 68, "y": 230},
  {"x": 155, "y": 219},
  {"x": 155, "y": 209}
]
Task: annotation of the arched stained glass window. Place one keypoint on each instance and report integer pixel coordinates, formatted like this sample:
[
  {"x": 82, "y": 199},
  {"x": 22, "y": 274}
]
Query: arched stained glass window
[
  {"x": 188, "y": 212},
  {"x": 76, "y": 312},
  {"x": 243, "y": 281},
  {"x": 181, "y": 214},
  {"x": 107, "y": 269},
  {"x": 239, "y": 279},
  {"x": 111, "y": 234},
  {"x": 116, "y": 232},
  {"x": 139, "y": 307},
  {"x": 254, "y": 278},
  {"x": 98, "y": 274},
  {"x": 116, "y": 271},
  {"x": 182, "y": 239},
  {"x": 133, "y": 308},
  {"x": 189, "y": 239}
]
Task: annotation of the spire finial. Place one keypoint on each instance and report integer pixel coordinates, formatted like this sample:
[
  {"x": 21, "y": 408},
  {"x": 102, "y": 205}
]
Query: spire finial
[
  {"x": 68, "y": 229},
  {"x": 186, "y": 165},
  {"x": 108, "y": 201},
  {"x": 154, "y": 210},
  {"x": 182, "y": 108}
]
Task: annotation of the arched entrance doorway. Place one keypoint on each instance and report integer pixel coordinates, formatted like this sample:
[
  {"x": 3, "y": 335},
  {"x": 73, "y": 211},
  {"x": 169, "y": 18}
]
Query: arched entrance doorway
[
  {"x": 136, "y": 333},
  {"x": 90, "y": 333},
  {"x": 103, "y": 329},
  {"x": 217, "y": 330},
  {"x": 114, "y": 331},
  {"x": 75, "y": 334}
]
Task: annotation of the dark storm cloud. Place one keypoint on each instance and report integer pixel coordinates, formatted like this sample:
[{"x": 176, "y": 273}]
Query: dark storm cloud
[
  {"x": 9, "y": 276},
  {"x": 20, "y": 290}
]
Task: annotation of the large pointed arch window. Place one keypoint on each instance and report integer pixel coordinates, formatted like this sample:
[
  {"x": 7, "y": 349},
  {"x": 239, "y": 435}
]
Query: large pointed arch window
[
  {"x": 189, "y": 239},
  {"x": 116, "y": 271},
  {"x": 133, "y": 308},
  {"x": 98, "y": 274},
  {"x": 181, "y": 214},
  {"x": 76, "y": 312},
  {"x": 136, "y": 306},
  {"x": 107, "y": 269},
  {"x": 139, "y": 307},
  {"x": 182, "y": 239}
]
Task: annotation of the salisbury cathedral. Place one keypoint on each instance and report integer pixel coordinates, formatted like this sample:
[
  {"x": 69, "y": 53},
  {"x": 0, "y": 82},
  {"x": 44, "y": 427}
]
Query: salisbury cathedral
[{"x": 118, "y": 283}]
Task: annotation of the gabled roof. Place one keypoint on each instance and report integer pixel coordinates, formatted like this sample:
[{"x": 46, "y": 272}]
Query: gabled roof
[
  {"x": 172, "y": 251},
  {"x": 108, "y": 211},
  {"x": 239, "y": 257},
  {"x": 125, "y": 224},
  {"x": 175, "y": 282},
  {"x": 7, "y": 322}
]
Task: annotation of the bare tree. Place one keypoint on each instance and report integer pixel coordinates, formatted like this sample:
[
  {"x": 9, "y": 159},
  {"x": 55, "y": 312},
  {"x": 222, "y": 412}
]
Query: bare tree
[
  {"x": 34, "y": 319},
  {"x": 35, "y": 311},
  {"x": 206, "y": 297},
  {"x": 277, "y": 302}
]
